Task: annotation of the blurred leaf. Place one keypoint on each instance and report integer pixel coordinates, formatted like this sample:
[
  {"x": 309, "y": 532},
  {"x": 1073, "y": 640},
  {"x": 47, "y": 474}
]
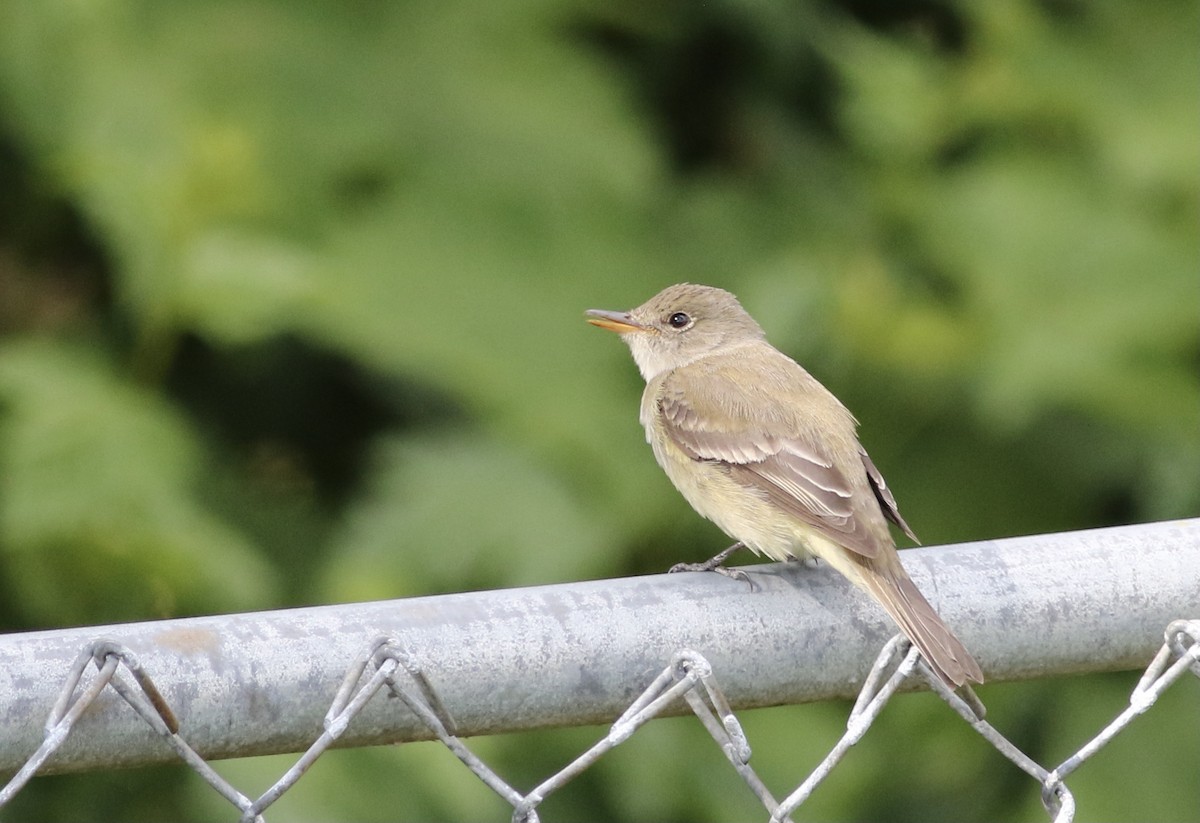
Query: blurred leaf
[
  {"x": 97, "y": 515},
  {"x": 461, "y": 513},
  {"x": 240, "y": 287},
  {"x": 895, "y": 102}
]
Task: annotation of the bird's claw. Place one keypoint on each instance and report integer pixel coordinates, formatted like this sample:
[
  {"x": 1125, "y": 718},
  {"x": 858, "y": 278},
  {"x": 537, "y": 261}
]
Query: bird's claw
[
  {"x": 706, "y": 566},
  {"x": 710, "y": 566}
]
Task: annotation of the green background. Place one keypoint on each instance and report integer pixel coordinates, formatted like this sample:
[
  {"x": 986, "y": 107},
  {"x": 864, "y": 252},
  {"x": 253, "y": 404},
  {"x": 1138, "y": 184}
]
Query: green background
[{"x": 291, "y": 306}]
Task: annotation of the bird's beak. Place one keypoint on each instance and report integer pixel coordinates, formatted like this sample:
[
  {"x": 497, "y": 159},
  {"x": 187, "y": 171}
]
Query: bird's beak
[{"x": 618, "y": 321}]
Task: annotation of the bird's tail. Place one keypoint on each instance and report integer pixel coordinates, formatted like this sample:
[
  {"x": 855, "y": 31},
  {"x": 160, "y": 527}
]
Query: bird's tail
[{"x": 944, "y": 653}]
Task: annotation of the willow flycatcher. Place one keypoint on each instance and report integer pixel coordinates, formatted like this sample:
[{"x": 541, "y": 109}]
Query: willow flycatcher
[{"x": 767, "y": 453}]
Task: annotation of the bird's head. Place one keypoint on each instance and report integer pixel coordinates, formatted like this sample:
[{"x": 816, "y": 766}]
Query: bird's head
[{"x": 679, "y": 325}]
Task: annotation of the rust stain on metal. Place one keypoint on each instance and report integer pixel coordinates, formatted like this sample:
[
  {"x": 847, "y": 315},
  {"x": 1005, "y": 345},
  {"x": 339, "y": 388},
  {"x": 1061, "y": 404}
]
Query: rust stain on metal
[{"x": 188, "y": 640}]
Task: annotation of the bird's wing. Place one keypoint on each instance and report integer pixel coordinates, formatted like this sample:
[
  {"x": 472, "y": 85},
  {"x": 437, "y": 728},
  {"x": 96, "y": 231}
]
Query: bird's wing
[
  {"x": 764, "y": 450},
  {"x": 884, "y": 495}
]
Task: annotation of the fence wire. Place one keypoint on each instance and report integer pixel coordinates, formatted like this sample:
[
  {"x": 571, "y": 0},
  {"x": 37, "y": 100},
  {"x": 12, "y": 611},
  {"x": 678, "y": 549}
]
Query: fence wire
[{"x": 687, "y": 676}]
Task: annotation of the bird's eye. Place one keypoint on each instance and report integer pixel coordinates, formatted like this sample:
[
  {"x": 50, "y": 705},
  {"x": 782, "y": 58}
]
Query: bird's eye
[{"x": 678, "y": 320}]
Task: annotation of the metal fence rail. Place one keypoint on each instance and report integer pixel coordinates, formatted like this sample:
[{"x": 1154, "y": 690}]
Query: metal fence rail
[{"x": 581, "y": 653}]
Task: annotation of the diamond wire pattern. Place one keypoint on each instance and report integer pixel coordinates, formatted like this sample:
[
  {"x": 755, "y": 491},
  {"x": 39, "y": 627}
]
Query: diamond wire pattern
[{"x": 688, "y": 676}]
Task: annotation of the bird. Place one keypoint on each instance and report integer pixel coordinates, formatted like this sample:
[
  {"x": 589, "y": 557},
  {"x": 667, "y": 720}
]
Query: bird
[{"x": 759, "y": 447}]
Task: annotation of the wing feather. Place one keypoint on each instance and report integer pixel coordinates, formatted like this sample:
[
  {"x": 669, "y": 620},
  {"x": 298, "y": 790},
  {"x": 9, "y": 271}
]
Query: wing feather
[
  {"x": 884, "y": 495},
  {"x": 796, "y": 472}
]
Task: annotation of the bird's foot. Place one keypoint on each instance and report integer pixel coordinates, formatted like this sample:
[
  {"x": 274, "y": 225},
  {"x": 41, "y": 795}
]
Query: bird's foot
[{"x": 713, "y": 564}]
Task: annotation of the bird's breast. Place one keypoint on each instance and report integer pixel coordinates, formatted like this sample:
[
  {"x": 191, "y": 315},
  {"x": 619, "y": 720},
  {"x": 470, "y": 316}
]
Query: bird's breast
[{"x": 742, "y": 512}]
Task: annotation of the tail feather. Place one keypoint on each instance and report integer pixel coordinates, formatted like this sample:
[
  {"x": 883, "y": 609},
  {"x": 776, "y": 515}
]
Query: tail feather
[{"x": 944, "y": 653}]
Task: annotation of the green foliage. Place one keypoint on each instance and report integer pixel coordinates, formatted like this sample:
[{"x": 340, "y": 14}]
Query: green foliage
[
  {"x": 291, "y": 300},
  {"x": 98, "y": 508},
  {"x": 502, "y": 523}
]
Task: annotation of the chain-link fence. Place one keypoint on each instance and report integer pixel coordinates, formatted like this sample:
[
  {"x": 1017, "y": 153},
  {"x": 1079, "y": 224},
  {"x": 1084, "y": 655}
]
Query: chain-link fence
[{"x": 488, "y": 662}]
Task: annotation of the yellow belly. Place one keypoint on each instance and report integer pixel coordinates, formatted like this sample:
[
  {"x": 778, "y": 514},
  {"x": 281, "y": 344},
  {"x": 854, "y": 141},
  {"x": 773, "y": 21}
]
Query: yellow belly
[{"x": 741, "y": 512}]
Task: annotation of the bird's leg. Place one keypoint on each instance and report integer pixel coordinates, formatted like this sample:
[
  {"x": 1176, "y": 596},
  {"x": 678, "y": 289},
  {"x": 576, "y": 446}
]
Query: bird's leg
[
  {"x": 808, "y": 561},
  {"x": 714, "y": 564}
]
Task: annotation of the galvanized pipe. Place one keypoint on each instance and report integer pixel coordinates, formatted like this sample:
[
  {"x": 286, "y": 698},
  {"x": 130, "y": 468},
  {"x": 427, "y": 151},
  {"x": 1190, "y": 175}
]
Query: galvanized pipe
[{"x": 578, "y": 653}]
